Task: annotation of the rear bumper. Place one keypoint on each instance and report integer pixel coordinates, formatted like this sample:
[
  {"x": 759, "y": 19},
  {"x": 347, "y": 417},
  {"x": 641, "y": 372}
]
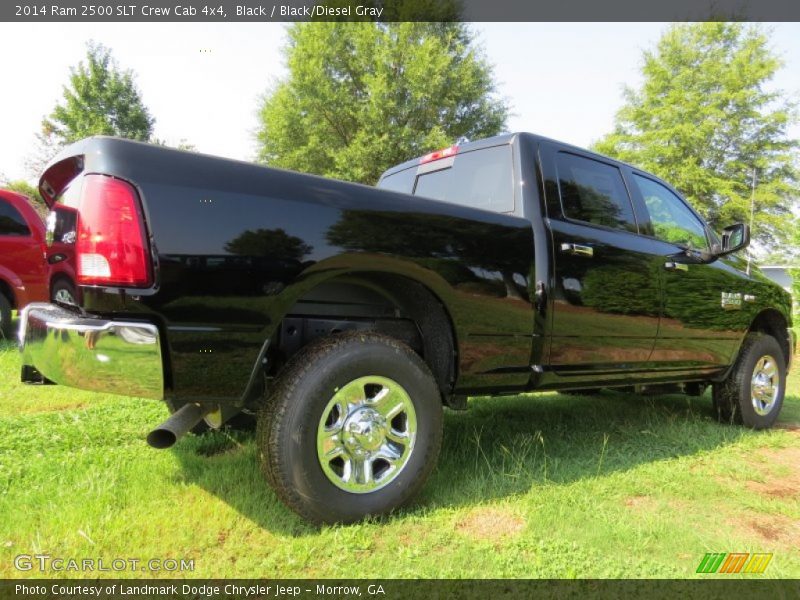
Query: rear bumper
[{"x": 121, "y": 357}]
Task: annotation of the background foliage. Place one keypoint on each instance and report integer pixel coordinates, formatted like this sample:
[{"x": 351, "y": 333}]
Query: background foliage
[
  {"x": 361, "y": 97},
  {"x": 99, "y": 99},
  {"x": 704, "y": 119}
]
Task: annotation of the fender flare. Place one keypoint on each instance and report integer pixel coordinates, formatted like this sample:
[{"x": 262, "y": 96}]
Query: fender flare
[{"x": 339, "y": 266}]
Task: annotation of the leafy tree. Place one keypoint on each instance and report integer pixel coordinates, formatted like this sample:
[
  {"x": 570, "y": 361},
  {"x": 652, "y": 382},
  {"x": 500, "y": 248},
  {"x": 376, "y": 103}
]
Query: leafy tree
[
  {"x": 704, "y": 120},
  {"x": 100, "y": 99},
  {"x": 181, "y": 144},
  {"x": 360, "y": 97},
  {"x": 795, "y": 273}
]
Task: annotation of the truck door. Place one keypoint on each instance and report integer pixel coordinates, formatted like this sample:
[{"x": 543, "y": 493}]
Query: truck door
[
  {"x": 605, "y": 293},
  {"x": 21, "y": 250},
  {"x": 705, "y": 313}
]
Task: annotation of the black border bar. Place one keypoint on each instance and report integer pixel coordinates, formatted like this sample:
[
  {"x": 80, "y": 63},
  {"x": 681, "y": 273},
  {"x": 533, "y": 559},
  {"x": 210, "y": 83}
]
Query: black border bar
[
  {"x": 174, "y": 11},
  {"x": 402, "y": 589}
]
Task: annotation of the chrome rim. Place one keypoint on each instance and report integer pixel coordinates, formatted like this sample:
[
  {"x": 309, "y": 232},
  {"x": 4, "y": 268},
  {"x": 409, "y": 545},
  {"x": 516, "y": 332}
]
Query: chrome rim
[
  {"x": 64, "y": 296},
  {"x": 765, "y": 385},
  {"x": 366, "y": 434}
]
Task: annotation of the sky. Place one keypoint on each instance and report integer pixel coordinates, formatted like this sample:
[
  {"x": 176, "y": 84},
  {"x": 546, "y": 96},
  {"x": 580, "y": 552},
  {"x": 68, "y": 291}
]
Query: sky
[{"x": 202, "y": 81}]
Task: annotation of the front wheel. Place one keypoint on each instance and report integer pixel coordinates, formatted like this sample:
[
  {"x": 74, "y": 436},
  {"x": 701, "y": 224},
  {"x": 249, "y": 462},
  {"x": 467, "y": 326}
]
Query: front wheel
[
  {"x": 352, "y": 428},
  {"x": 752, "y": 394}
]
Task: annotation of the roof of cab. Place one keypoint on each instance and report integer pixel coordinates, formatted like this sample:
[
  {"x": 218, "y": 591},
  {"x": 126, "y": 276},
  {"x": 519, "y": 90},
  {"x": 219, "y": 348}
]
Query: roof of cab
[{"x": 499, "y": 140}]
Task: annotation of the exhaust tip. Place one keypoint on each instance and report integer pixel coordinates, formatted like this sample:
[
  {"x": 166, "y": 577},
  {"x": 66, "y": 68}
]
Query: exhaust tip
[
  {"x": 161, "y": 439},
  {"x": 178, "y": 424}
]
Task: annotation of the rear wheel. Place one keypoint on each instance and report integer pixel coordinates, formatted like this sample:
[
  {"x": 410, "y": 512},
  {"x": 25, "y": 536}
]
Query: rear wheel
[
  {"x": 352, "y": 428},
  {"x": 752, "y": 395},
  {"x": 5, "y": 317}
]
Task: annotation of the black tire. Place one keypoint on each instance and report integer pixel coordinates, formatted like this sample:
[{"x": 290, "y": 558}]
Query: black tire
[
  {"x": 292, "y": 417},
  {"x": 63, "y": 291},
  {"x": 5, "y": 318},
  {"x": 734, "y": 400}
]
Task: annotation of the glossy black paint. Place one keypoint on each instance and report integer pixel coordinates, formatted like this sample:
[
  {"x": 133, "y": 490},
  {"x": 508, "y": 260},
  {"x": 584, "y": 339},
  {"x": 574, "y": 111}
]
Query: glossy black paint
[{"x": 238, "y": 248}]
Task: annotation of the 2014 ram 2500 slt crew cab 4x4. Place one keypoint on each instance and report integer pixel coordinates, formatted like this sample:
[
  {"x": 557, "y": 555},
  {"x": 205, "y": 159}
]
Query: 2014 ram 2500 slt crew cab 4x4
[{"x": 343, "y": 317}]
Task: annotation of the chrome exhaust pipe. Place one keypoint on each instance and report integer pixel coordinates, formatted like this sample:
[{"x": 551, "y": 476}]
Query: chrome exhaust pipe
[{"x": 178, "y": 424}]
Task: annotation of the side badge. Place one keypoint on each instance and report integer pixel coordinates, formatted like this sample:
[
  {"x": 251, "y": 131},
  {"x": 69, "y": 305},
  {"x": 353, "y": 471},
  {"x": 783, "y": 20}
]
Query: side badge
[{"x": 731, "y": 301}]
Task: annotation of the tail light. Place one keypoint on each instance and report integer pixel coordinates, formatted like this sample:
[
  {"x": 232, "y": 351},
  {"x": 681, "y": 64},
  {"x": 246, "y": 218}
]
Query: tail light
[
  {"x": 444, "y": 153},
  {"x": 111, "y": 247}
]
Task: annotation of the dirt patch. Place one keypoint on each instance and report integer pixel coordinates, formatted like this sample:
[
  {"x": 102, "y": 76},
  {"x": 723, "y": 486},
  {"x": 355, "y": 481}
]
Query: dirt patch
[
  {"x": 493, "y": 524},
  {"x": 789, "y": 457},
  {"x": 774, "y": 531},
  {"x": 782, "y": 469},
  {"x": 774, "y": 489},
  {"x": 790, "y": 427},
  {"x": 639, "y": 503},
  {"x": 768, "y": 531}
]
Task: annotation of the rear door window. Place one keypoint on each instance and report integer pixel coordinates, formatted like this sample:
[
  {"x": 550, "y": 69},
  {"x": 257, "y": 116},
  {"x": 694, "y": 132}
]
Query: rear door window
[
  {"x": 594, "y": 192},
  {"x": 11, "y": 221},
  {"x": 479, "y": 179}
]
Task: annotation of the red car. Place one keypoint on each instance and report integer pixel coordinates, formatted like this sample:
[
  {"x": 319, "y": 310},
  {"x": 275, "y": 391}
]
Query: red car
[{"x": 30, "y": 270}]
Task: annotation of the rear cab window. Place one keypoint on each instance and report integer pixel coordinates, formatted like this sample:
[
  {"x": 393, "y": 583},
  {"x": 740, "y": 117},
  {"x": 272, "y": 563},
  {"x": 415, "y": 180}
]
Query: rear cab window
[{"x": 481, "y": 178}]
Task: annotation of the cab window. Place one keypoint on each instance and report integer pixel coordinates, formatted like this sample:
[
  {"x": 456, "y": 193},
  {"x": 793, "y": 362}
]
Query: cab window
[
  {"x": 402, "y": 181},
  {"x": 479, "y": 179},
  {"x": 672, "y": 220},
  {"x": 11, "y": 222},
  {"x": 594, "y": 192}
]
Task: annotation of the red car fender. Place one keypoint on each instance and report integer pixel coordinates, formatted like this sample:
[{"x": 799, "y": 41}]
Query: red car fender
[{"x": 21, "y": 296}]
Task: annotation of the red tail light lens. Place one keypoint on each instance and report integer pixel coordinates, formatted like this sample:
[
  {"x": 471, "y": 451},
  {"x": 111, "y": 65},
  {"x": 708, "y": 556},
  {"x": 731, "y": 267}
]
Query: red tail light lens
[
  {"x": 444, "y": 153},
  {"x": 111, "y": 247}
]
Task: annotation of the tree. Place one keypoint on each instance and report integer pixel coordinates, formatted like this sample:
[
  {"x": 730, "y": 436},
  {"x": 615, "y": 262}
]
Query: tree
[
  {"x": 181, "y": 144},
  {"x": 360, "y": 97},
  {"x": 100, "y": 99},
  {"x": 705, "y": 120},
  {"x": 26, "y": 189}
]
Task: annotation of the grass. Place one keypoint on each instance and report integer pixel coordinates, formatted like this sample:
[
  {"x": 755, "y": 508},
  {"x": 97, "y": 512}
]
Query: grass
[{"x": 537, "y": 485}]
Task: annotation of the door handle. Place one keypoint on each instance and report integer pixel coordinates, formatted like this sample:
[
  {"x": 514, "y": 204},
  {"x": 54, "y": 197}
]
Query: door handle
[
  {"x": 577, "y": 249},
  {"x": 675, "y": 266}
]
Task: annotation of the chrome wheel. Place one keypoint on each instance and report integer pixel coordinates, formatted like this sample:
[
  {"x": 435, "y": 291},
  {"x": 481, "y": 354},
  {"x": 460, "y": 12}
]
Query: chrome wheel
[
  {"x": 64, "y": 296},
  {"x": 366, "y": 434},
  {"x": 765, "y": 385}
]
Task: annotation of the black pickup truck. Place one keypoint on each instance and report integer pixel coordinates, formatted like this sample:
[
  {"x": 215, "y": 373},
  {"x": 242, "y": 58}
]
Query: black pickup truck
[{"x": 342, "y": 318}]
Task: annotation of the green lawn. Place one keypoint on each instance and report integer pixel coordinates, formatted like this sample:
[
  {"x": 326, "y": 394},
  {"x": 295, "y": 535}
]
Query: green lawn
[{"x": 538, "y": 485}]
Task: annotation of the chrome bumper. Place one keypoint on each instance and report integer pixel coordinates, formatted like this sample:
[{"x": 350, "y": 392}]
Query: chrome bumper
[{"x": 91, "y": 353}]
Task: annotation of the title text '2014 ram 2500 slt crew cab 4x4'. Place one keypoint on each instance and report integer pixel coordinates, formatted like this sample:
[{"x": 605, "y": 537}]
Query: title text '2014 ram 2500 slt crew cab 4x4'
[{"x": 343, "y": 317}]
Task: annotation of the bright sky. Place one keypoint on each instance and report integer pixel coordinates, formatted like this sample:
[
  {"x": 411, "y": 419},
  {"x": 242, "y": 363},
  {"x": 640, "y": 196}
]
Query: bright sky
[{"x": 202, "y": 81}]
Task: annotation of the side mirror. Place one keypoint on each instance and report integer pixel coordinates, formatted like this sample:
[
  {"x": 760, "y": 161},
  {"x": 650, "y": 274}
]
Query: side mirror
[{"x": 734, "y": 238}]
